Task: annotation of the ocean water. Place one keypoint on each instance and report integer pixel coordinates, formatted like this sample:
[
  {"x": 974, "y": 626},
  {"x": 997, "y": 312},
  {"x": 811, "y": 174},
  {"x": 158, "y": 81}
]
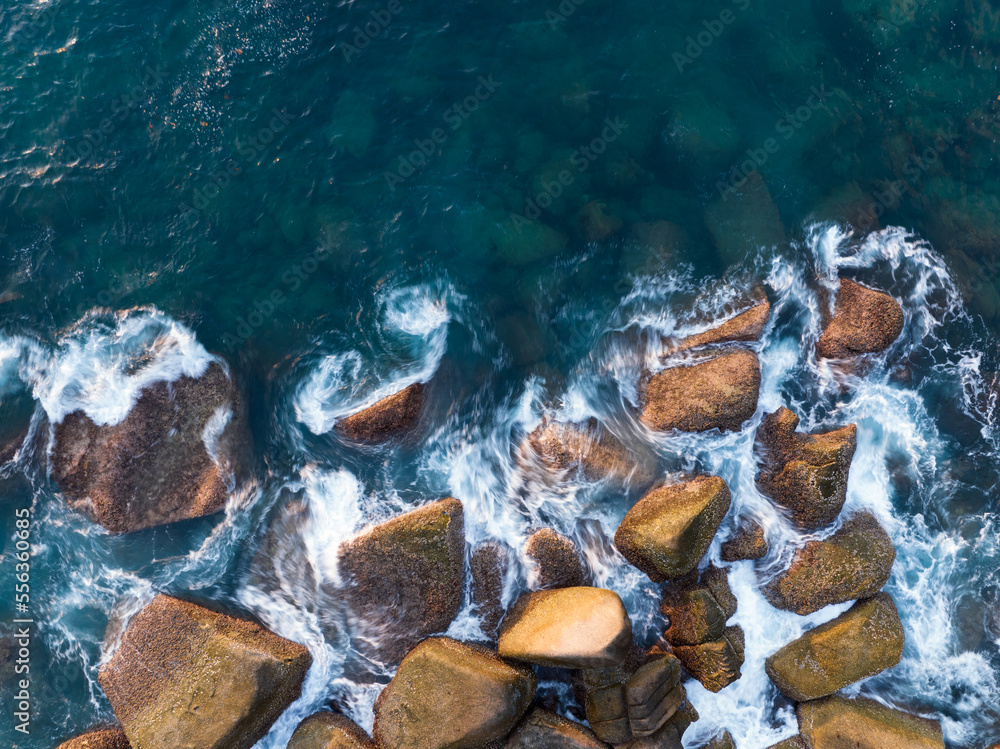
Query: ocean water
[{"x": 510, "y": 202}]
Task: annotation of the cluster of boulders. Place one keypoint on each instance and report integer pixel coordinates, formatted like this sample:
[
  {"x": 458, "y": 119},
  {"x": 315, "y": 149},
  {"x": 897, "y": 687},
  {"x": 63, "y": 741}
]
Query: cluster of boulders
[{"x": 185, "y": 675}]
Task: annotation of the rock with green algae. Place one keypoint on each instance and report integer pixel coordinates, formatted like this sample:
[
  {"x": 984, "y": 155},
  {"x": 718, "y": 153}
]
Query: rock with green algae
[
  {"x": 327, "y": 730},
  {"x": 391, "y": 418},
  {"x": 542, "y": 729},
  {"x": 837, "y": 722},
  {"x": 450, "y": 695},
  {"x": 99, "y": 738},
  {"x": 669, "y": 530},
  {"x": 863, "y": 641},
  {"x": 183, "y": 675},
  {"x": 403, "y": 578}
]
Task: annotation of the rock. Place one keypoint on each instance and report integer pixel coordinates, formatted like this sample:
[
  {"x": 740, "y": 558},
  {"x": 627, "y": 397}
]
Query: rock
[
  {"x": 861, "y": 723},
  {"x": 560, "y": 449},
  {"x": 717, "y": 393},
  {"x": 805, "y": 473},
  {"x": 722, "y": 741},
  {"x": 449, "y": 695},
  {"x": 745, "y": 327},
  {"x": 653, "y": 695},
  {"x": 716, "y": 579},
  {"x": 715, "y": 664},
  {"x": 489, "y": 564},
  {"x": 669, "y": 530},
  {"x": 326, "y": 730},
  {"x": 796, "y": 742},
  {"x": 694, "y": 616},
  {"x": 864, "y": 321},
  {"x": 745, "y": 219},
  {"x": 183, "y": 675},
  {"x": 855, "y": 562},
  {"x": 747, "y": 543},
  {"x": 863, "y": 641},
  {"x": 568, "y": 628},
  {"x": 546, "y": 730},
  {"x": 557, "y": 561},
  {"x": 595, "y": 224},
  {"x": 101, "y": 738},
  {"x": 404, "y": 578},
  {"x": 391, "y": 418},
  {"x": 154, "y": 467},
  {"x": 602, "y": 694}
]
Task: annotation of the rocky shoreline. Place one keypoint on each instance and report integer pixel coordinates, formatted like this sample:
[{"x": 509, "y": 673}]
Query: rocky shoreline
[{"x": 181, "y": 675}]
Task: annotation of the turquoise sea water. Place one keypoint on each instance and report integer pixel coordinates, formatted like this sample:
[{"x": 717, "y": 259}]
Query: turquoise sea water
[{"x": 502, "y": 199}]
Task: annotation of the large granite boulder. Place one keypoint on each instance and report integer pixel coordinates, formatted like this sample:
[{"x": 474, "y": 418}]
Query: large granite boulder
[
  {"x": 864, "y": 321},
  {"x": 855, "y": 562},
  {"x": 567, "y": 628},
  {"x": 863, "y": 641},
  {"x": 542, "y": 729},
  {"x": 449, "y": 695},
  {"x": 101, "y": 738},
  {"x": 558, "y": 449},
  {"x": 836, "y": 722},
  {"x": 805, "y": 473},
  {"x": 557, "y": 562},
  {"x": 715, "y": 393},
  {"x": 716, "y": 664},
  {"x": 489, "y": 563},
  {"x": 326, "y": 730},
  {"x": 653, "y": 695},
  {"x": 743, "y": 328},
  {"x": 391, "y": 418},
  {"x": 403, "y": 578},
  {"x": 183, "y": 675},
  {"x": 175, "y": 456},
  {"x": 748, "y": 542},
  {"x": 669, "y": 530}
]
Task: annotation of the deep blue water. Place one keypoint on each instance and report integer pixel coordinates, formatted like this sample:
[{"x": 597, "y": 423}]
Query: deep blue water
[{"x": 339, "y": 199}]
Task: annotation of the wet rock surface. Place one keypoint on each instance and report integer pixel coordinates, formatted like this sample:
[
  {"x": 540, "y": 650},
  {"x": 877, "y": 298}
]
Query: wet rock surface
[
  {"x": 391, "y": 418},
  {"x": 326, "y": 730},
  {"x": 864, "y": 321},
  {"x": 747, "y": 543},
  {"x": 542, "y": 729},
  {"x": 561, "y": 448},
  {"x": 101, "y": 738},
  {"x": 489, "y": 563},
  {"x": 862, "y": 723},
  {"x": 557, "y": 561},
  {"x": 745, "y": 327}
]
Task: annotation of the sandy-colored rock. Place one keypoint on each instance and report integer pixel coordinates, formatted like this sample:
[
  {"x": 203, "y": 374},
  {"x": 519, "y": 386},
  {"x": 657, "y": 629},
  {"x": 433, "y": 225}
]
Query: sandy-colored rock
[
  {"x": 561, "y": 448},
  {"x": 839, "y": 723},
  {"x": 326, "y": 730},
  {"x": 183, "y": 675},
  {"x": 568, "y": 628},
  {"x": 855, "y": 562},
  {"x": 715, "y": 664},
  {"x": 669, "y": 530},
  {"x": 390, "y": 418},
  {"x": 488, "y": 563},
  {"x": 747, "y": 543},
  {"x": 693, "y": 615},
  {"x": 449, "y": 695},
  {"x": 101, "y": 738},
  {"x": 716, "y": 393},
  {"x": 403, "y": 578},
  {"x": 863, "y": 641},
  {"x": 154, "y": 467},
  {"x": 653, "y": 695},
  {"x": 743, "y": 328},
  {"x": 864, "y": 321},
  {"x": 542, "y": 729},
  {"x": 557, "y": 561}
]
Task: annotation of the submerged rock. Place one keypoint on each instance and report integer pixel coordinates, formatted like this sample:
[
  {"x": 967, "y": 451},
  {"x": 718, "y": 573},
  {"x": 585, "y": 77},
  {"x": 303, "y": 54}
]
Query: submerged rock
[
  {"x": 669, "y": 530},
  {"x": 863, "y": 641},
  {"x": 855, "y": 562},
  {"x": 488, "y": 565},
  {"x": 449, "y": 695},
  {"x": 183, "y": 675},
  {"x": 403, "y": 578},
  {"x": 546, "y": 730},
  {"x": 718, "y": 393},
  {"x": 747, "y": 543},
  {"x": 389, "y": 419},
  {"x": 101, "y": 738},
  {"x": 558, "y": 563},
  {"x": 865, "y": 321},
  {"x": 560, "y": 448},
  {"x": 567, "y": 628},
  {"x": 805, "y": 473},
  {"x": 861, "y": 723},
  {"x": 154, "y": 467},
  {"x": 326, "y": 730}
]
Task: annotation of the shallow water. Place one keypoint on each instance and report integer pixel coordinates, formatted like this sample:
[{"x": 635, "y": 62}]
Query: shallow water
[{"x": 337, "y": 213}]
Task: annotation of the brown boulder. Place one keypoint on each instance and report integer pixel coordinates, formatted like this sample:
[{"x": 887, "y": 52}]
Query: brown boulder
[
  {"x": 716, "y": 393},
  {"x": 722, "y": 741},
  {"x": 716, "y": 579},
  {"x": 747, "y": 543},
  {"x": 864, "y": 321},
  {"x": 389, "y": 419},
  {"x": 449, "y": 695},
  {"x": 557, "y": 562},
  {"x": 403, "y": 578},
  {"x": 669, "y": 530},
  {"x": 101, "y": 738},
  {"x": 183, "y": 675},
  {"x": 693, "y": 615},
  {"x": 653, "y": 695},
  {"x": 744, "y": 327},
  {"x": 796, "y": 742},
  {"x": 488, "y": 565},
  {"x": 154, "y": 467},
  {"x": 715, "y": 664},
  {"x": 836, "y": 722},
  {"x": 805, "y": 473},
  {"x": 562, "y": 448},
  {"x": 542, "y": 729},
  {"x": 855, "y": 562},
  {"x": 326, "y": 730},
  {"x": 863, "y": 641}
]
